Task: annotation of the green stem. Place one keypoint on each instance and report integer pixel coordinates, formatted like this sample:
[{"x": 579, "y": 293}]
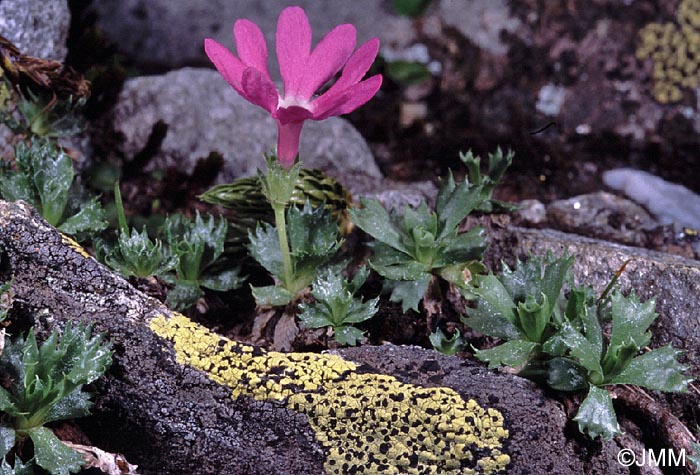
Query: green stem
[{"x": 281, "y": 224}]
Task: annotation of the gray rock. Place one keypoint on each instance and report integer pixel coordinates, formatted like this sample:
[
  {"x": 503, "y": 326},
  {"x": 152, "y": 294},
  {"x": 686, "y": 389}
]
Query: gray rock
[
  {"x": 601, "y": 215},
  {"x": 204, "y": 114},
  {"x": 37, "y": 27},
  {"x": 171, "y": 33}
]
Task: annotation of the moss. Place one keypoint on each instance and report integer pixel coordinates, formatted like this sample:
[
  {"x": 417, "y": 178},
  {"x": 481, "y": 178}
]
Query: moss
[
  {"x": 675, "y": 50},
  {"x": 367, "y": 423}
]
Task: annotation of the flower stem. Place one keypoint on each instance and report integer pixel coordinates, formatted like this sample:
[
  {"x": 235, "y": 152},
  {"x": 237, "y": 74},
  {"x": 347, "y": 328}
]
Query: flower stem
[{"x": 281, "y": 224}]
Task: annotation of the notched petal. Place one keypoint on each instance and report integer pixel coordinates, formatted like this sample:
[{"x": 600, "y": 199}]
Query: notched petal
[
  {"x": 230, "y": 67},
  {"x": 251, "y": 45}
]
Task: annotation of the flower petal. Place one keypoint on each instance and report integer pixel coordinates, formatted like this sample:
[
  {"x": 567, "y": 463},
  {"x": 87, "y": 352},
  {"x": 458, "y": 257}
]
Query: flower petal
[
  {"x": 293, "y": 47},
  {"x": 286, "y": 115},
  {"x": 327, "y": 58},
  {"x": 344, "y": 102},
  {"x": 259, "y": 89},
  {"x": 288, "y": 142},
  {"x": 230, "y": 67},
  {"x": 358, "y": 64},
  {"x": 251, "y": 45}
]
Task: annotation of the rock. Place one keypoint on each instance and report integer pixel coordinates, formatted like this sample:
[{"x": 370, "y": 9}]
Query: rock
[
  {"x": 204, "y": 114},
  {"x": 671, "y": 203},
  {"x": 38, "y": 28},
  {"x": 179, "y": 399},
  {"x": 170, "y": 33},
  {"x": 601, "y": 215}
]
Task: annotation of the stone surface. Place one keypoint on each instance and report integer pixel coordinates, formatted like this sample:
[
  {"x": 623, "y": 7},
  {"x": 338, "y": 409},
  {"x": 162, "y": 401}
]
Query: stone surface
[
  {"x": 38, "y": 28},
  {"x": 170, "y": 33},
  {"x": 601, "y": 215},
  {"x": 165, "y": 407},
  {"x": 204, "y": 114}
]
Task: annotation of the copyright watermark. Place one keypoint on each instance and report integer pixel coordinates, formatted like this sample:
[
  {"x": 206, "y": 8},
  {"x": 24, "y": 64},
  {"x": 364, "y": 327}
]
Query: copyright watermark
[{"x": 652, "y": 458}]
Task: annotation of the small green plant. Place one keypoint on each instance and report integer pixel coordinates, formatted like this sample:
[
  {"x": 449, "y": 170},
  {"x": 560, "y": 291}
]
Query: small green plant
[
  {"x": 407, "y": 72},
  {"x": 497, "y": 166},
  {"x": 412, "y": 247},
  {"x": 44, "y": 178},
  {"x": 313, "y": 241},
  {"x": 446, "y": 345},
  {"x": 559, "y": 340},
  {"x": 134, "y": 254},
  {"x": 45, "y": 385},
  {"x": 197, "y": 246},
  {"x": 336, "y": 306}
]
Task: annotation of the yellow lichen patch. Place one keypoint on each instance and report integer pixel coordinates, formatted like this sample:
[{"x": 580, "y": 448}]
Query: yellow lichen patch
[
  {"x": 675, "y": 50},
  {"x": 74, "y": 245},
  {"x": 366, "y": 422}
]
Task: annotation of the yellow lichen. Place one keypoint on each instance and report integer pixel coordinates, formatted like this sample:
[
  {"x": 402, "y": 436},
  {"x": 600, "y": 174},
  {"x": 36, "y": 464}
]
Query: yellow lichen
[
  {"x": 74, "y": 245},
  {"x": 366, "y": 422},
  {"x": 675, "y": 50}
]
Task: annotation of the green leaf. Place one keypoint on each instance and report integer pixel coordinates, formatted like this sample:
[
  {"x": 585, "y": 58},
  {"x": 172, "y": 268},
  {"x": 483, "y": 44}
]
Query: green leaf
[
  {"x": 312, "y": 232},
  {"x": 18, "y": 469},
  {"x": 6, "y": 404},
  {"x": 463, "y": 199},
  {"x": 596, "y": 416},
  {"x": 359, "y": 279},
  {"x": 495, "y": 312},
  {"x": 408, "y": 292},
  {"x": 556, "y": 272},
  {"x": 445, "y": 345},
  {"x": 74, "y": 405},
  {"x": 17, "y": 186},
  {"x": 53, "y": 176},
  {"x": 315, "y": 316},
  {"x": 184, "y": 294},
  {"x": 514, "y": 353},
  {"x": 348, "y": 335},
  {"x": 564, "y": 374},
  {"x": 579, "y": 348},
  {"x": 534, "y": 317},
  {"x": 53, "y": 455},
  {"x": 630, "y": 320},
  {"x": 264, "y": 247},
  {"x": 373, "y": 219},
  {"x": 658, "y": 369},
  {"x": 91, "y": 217},
  {"x": 405, "y": 271},
  {"x": 227, "y": 279},
  {"x": 464, "y": 248},
  {"x": 271, "y": 296},
  {"x": 7, "y": 440}
]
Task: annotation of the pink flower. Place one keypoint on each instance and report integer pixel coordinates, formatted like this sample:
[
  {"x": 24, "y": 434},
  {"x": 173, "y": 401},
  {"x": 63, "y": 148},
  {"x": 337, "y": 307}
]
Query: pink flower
[{"x": 303, "y": 72}]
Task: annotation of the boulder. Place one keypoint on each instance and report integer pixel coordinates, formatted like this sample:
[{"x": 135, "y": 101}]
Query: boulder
[
  {"x": 200, "y": 113},
  {"x": 38, "y": 28}
]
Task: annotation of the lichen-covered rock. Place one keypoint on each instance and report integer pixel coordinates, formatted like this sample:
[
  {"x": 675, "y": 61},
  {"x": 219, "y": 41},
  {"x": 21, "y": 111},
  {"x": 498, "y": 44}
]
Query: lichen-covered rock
[
  {"x": 180, "y": 399},
  {"x": 38, "y": 28},
  {"x": 203, "y": 114}
]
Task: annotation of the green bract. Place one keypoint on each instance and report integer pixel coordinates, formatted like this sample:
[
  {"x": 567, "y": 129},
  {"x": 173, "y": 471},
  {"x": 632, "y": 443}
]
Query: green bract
[
  {"x": 46, "y": 385},
  {"x": 559, "y": 340},
  {"x": 420, "y": 243},
  {"x": 313, "y": 237},
  {"x": 337, "y": 307},
  {"x": 44, "y": 179},
  {"x": 197, "y": 245}
]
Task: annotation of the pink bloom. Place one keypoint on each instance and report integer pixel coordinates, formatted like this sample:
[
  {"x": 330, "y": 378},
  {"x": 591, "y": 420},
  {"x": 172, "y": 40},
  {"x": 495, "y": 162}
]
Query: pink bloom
[{"x": 303, "y": 72}]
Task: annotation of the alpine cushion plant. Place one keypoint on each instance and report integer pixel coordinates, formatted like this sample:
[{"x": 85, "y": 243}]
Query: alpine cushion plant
[{"x": 303, "y": 72}]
